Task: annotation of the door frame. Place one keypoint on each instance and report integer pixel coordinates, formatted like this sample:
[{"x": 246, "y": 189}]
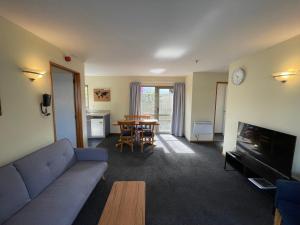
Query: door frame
[
  {"x": 77, "y": 102},
  {"x": 157, "y": 104},
  {"x": 216, "y": 95},
  {"x": 157, "y": 87}
]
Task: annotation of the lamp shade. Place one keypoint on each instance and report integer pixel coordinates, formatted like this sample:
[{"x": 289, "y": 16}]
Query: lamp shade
[
  {"x": 32, "y": 75},
  {"x": 283, "y": 76}
]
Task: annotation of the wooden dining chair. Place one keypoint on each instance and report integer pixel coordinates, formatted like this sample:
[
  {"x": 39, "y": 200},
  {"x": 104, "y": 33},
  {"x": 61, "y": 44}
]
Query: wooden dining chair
[
  {"x": 127, "y": 135},
  {"x": 137, "y": 128},
  {"x": 131, "y": 117},
  {"x": 147, "y": 134},
  {"x": 137, "y": 117},
  {"x": 145, "y": 117}
]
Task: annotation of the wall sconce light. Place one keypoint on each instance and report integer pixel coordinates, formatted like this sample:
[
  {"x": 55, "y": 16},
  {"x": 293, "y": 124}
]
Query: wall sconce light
[
  {"x": 32, "y": 74},
  {"x": 46, "y": 102},
  {"x": 284, "y": 76}
]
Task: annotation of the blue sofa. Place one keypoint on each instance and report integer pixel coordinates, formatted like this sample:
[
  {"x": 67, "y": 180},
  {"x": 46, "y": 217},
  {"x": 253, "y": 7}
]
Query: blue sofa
[
  {"x": 49, "y": 186},
  {"x": 287, "y": 202}
]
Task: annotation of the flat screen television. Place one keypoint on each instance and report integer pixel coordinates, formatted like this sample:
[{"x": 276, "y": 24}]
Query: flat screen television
[{"x": 271, "y": 147}]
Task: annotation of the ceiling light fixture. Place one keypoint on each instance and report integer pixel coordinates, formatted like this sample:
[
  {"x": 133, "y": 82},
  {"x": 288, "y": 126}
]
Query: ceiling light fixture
[
  {"x": 170, "y": 53},
  {"x": 157, "y": 70}
]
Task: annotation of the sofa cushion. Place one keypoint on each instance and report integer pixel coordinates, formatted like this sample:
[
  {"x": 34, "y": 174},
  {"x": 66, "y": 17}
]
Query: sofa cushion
[
  {"x": 13, "y": 192},
  {"x": 289, "y": 212},
  {"x": 42, "y": 167},
  {"x": 98, "y": 154},
  {"x": 60, "y": 203}
]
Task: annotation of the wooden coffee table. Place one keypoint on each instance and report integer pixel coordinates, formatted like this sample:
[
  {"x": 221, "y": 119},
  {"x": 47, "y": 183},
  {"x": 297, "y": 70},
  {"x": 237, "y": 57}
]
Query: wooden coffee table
[{"x": 125, "y": 204}]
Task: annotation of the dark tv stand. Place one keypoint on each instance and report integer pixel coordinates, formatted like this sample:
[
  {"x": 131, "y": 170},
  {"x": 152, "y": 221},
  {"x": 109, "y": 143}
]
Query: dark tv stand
[
  {"x": 252, "y": 168},
  {"x": 232, "y": 158}
]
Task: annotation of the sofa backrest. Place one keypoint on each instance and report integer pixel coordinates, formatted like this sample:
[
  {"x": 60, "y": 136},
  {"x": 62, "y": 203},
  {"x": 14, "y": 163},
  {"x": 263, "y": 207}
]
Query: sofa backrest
[
  {"x": 42, "y": 167},
  {"x": 13, "y": 192}
]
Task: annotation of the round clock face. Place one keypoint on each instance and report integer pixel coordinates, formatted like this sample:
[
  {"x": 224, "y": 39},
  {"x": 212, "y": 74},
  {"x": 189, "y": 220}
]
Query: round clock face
[{"x": 238, "y": 76}]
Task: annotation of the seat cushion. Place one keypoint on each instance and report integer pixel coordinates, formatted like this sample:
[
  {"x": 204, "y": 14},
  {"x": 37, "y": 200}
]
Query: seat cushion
[
  {"x": 147, "y": 133},
  {"x": 60, "y": 203},
  {"x": 126, "y": 133},
  {"x": 13, "y": 192},
  {"x": 289, "y": 212},
  {"x": 42, "y": 167}
]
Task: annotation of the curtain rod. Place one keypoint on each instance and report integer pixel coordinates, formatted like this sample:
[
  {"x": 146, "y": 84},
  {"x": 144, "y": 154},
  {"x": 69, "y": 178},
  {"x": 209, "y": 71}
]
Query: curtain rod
[{"x": 160, "y": 83}]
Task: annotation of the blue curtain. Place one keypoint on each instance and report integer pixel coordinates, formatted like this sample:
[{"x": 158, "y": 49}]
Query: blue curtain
[{"x": 178, "y": 109}]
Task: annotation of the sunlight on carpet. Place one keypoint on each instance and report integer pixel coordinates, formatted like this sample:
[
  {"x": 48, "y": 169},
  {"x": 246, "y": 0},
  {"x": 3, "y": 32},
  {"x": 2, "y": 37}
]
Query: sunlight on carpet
[{"x": 170, "y": 143}]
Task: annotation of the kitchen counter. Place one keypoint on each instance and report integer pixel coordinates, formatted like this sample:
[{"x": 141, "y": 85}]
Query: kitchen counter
[{"x": 97, "y": 113}]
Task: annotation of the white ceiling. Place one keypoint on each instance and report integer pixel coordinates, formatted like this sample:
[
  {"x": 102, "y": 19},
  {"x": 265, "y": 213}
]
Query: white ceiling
[{"x": 128, "y": 37}]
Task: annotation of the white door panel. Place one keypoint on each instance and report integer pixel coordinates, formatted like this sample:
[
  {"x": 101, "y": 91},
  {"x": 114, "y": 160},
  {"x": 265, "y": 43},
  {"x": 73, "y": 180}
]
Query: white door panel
[
  {"x": 64, "y": 105},
  {"x": 220, "y": 107}
]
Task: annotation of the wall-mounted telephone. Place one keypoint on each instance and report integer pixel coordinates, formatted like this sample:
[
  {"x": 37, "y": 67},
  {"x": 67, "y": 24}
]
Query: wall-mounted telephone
[{"x": 46, "y": 102}]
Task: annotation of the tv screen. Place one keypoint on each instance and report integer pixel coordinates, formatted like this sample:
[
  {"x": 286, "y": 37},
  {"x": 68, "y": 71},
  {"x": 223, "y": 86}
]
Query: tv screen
[{"x": 271, "y": 147}]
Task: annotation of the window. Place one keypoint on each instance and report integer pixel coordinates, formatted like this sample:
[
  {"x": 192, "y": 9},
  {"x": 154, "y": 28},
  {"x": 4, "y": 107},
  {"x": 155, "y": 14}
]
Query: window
[
  {"x": 158, "y": 102},
  {"x": 86, "y": 92}
]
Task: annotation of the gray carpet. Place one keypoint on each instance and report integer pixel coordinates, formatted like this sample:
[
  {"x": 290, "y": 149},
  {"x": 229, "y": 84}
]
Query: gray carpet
[{"x": 185, "y": 185}]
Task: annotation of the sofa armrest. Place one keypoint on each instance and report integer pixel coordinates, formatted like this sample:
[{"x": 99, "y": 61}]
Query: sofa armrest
[
  {"x": 287, "y": 191},
  {"x": 92, "y": 154}
]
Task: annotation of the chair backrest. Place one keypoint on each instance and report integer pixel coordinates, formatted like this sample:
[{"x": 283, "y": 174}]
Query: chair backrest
[
  {"x": 137, "y": 117},
  {"x": 146, "y": 117},
  {"x": 148, "y": 125},
  {"x": 127, "y": 126}
]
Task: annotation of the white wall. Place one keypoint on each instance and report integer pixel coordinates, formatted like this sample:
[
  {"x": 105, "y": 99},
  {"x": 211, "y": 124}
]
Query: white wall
[
  {"x": 203, "y": 99},
  {"x": 119, "y": 86},
  {"x": 263, "y": 101},
  {"x": 22, "y": 127},
  {"x": 188, "y": 106}
]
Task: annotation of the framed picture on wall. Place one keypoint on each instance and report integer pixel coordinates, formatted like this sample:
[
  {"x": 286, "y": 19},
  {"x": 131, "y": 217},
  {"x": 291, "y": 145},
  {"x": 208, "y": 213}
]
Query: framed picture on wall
[{"x": 102, "y": 95}]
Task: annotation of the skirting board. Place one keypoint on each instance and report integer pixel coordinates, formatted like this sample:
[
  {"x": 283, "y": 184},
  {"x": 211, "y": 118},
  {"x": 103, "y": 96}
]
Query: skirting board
[{"x": 197, "y": 142}]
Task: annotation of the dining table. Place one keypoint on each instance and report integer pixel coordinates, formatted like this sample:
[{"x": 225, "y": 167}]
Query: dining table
[{"x": 137, "y": 123}]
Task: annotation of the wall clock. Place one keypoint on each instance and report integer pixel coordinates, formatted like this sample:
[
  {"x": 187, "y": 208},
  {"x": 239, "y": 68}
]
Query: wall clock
[{"x": 238, "y": 76}]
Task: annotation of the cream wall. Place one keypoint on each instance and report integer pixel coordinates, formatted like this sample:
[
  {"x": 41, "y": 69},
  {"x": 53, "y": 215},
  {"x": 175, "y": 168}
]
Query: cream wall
[
  {"x": 119, "y": 85},
  {"x": 263, "y": 101},
  {"x": 203, "y": 98},
  {"x": 22, "y": 127}
]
